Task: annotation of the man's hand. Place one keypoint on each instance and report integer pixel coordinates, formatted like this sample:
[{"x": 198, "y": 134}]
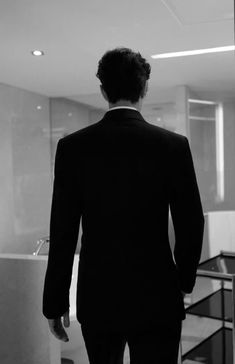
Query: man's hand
[{"x": 57, "y": 328}]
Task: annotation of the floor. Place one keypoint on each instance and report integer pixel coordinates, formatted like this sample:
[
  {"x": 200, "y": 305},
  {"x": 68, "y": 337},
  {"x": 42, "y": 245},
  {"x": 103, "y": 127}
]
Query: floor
[{"x": 194, "y": 330}]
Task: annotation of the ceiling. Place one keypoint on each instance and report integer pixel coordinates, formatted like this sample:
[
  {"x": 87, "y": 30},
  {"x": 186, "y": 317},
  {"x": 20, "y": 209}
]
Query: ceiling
[{"x": 74, "y": 34}]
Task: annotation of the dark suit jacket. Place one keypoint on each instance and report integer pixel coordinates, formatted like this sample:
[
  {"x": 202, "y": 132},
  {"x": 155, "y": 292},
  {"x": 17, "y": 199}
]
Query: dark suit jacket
[{"x": 120, "y": 176}]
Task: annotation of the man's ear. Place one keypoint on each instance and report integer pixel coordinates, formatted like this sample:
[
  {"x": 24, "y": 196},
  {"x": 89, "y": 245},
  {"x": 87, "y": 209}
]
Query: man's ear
[
  {"x": 146, "y": 88},
  {"x": 103, "y": 93}
]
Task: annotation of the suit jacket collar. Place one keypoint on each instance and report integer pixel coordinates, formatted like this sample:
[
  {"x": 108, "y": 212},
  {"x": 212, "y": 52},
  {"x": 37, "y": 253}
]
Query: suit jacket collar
[{"x": 122, "y": 116}]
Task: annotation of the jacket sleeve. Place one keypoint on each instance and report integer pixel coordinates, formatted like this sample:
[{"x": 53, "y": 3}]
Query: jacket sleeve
[
  {"x": 187, "y": 215},
  {"x": 65, "y": 217}
]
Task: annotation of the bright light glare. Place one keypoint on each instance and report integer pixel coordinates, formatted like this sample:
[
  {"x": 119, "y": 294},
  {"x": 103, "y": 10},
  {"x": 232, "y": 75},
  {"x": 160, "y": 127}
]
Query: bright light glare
[
  {"x": 220, "y": 151},
  {"x": 37, "y": 53},
  {"x": 194, "y": 52},
  {"x": 196, "y": 101}
]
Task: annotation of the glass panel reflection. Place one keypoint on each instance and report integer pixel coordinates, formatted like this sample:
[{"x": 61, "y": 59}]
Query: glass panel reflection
[
  {"x": 206, "y": 136},
  {"x": 220, "y": 264},
  {"x": 217, "y": 349},
  {"x": 212, "y": 306}
]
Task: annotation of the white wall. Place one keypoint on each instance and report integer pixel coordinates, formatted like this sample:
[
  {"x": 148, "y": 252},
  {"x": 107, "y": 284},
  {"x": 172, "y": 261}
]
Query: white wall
[
  {"x": 24, "y": 173},
  {"x": 30, "y": 126}
]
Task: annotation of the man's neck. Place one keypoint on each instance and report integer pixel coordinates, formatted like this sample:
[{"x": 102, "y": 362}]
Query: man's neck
[{"x": 119, "y": 103}]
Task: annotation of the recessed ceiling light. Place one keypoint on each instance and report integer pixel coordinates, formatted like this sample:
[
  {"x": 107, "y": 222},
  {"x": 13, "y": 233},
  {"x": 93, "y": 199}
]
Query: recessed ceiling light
[
  {"x": 194, "y": 52},
  {"x": 70, "y": 114},
  {"x": 37, "y": 53},
  {"x": 39, "y": 107}
]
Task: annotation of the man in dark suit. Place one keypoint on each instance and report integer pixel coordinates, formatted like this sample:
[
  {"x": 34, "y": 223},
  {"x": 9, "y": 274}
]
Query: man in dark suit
[{"x": 121, "y": 175}]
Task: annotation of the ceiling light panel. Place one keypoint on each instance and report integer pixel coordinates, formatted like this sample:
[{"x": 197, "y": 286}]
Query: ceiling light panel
[{"x": 194, "y": 52}]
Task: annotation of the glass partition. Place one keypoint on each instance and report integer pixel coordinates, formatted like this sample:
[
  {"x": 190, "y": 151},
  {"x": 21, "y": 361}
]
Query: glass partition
[{"x": 207, "y": 145}]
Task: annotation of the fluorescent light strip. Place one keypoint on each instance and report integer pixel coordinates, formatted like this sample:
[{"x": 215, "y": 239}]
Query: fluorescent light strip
[
  {"x": 220, "y": 151},
  {"x": 192, "y": 117},
  {"x": 194, "y": 52},
  {"x": 205, "y": 102}
]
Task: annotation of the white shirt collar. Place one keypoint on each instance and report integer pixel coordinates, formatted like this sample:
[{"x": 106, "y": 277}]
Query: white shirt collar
[{"x": 122, "y": 107}]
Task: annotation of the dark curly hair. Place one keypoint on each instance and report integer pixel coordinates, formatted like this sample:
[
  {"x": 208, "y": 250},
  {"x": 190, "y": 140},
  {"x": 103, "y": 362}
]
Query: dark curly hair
[{"x": 123, "y": 74}]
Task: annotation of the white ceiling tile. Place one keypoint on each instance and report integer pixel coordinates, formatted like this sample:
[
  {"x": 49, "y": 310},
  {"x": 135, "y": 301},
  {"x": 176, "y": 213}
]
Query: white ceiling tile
[
  {"x": 200, "y": 11},
  {"x": 75, "y": 34}
]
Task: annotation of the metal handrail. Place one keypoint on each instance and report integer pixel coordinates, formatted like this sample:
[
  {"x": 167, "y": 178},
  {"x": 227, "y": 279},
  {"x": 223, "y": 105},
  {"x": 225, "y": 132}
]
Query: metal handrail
[{"x": 40, "y": 243}]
